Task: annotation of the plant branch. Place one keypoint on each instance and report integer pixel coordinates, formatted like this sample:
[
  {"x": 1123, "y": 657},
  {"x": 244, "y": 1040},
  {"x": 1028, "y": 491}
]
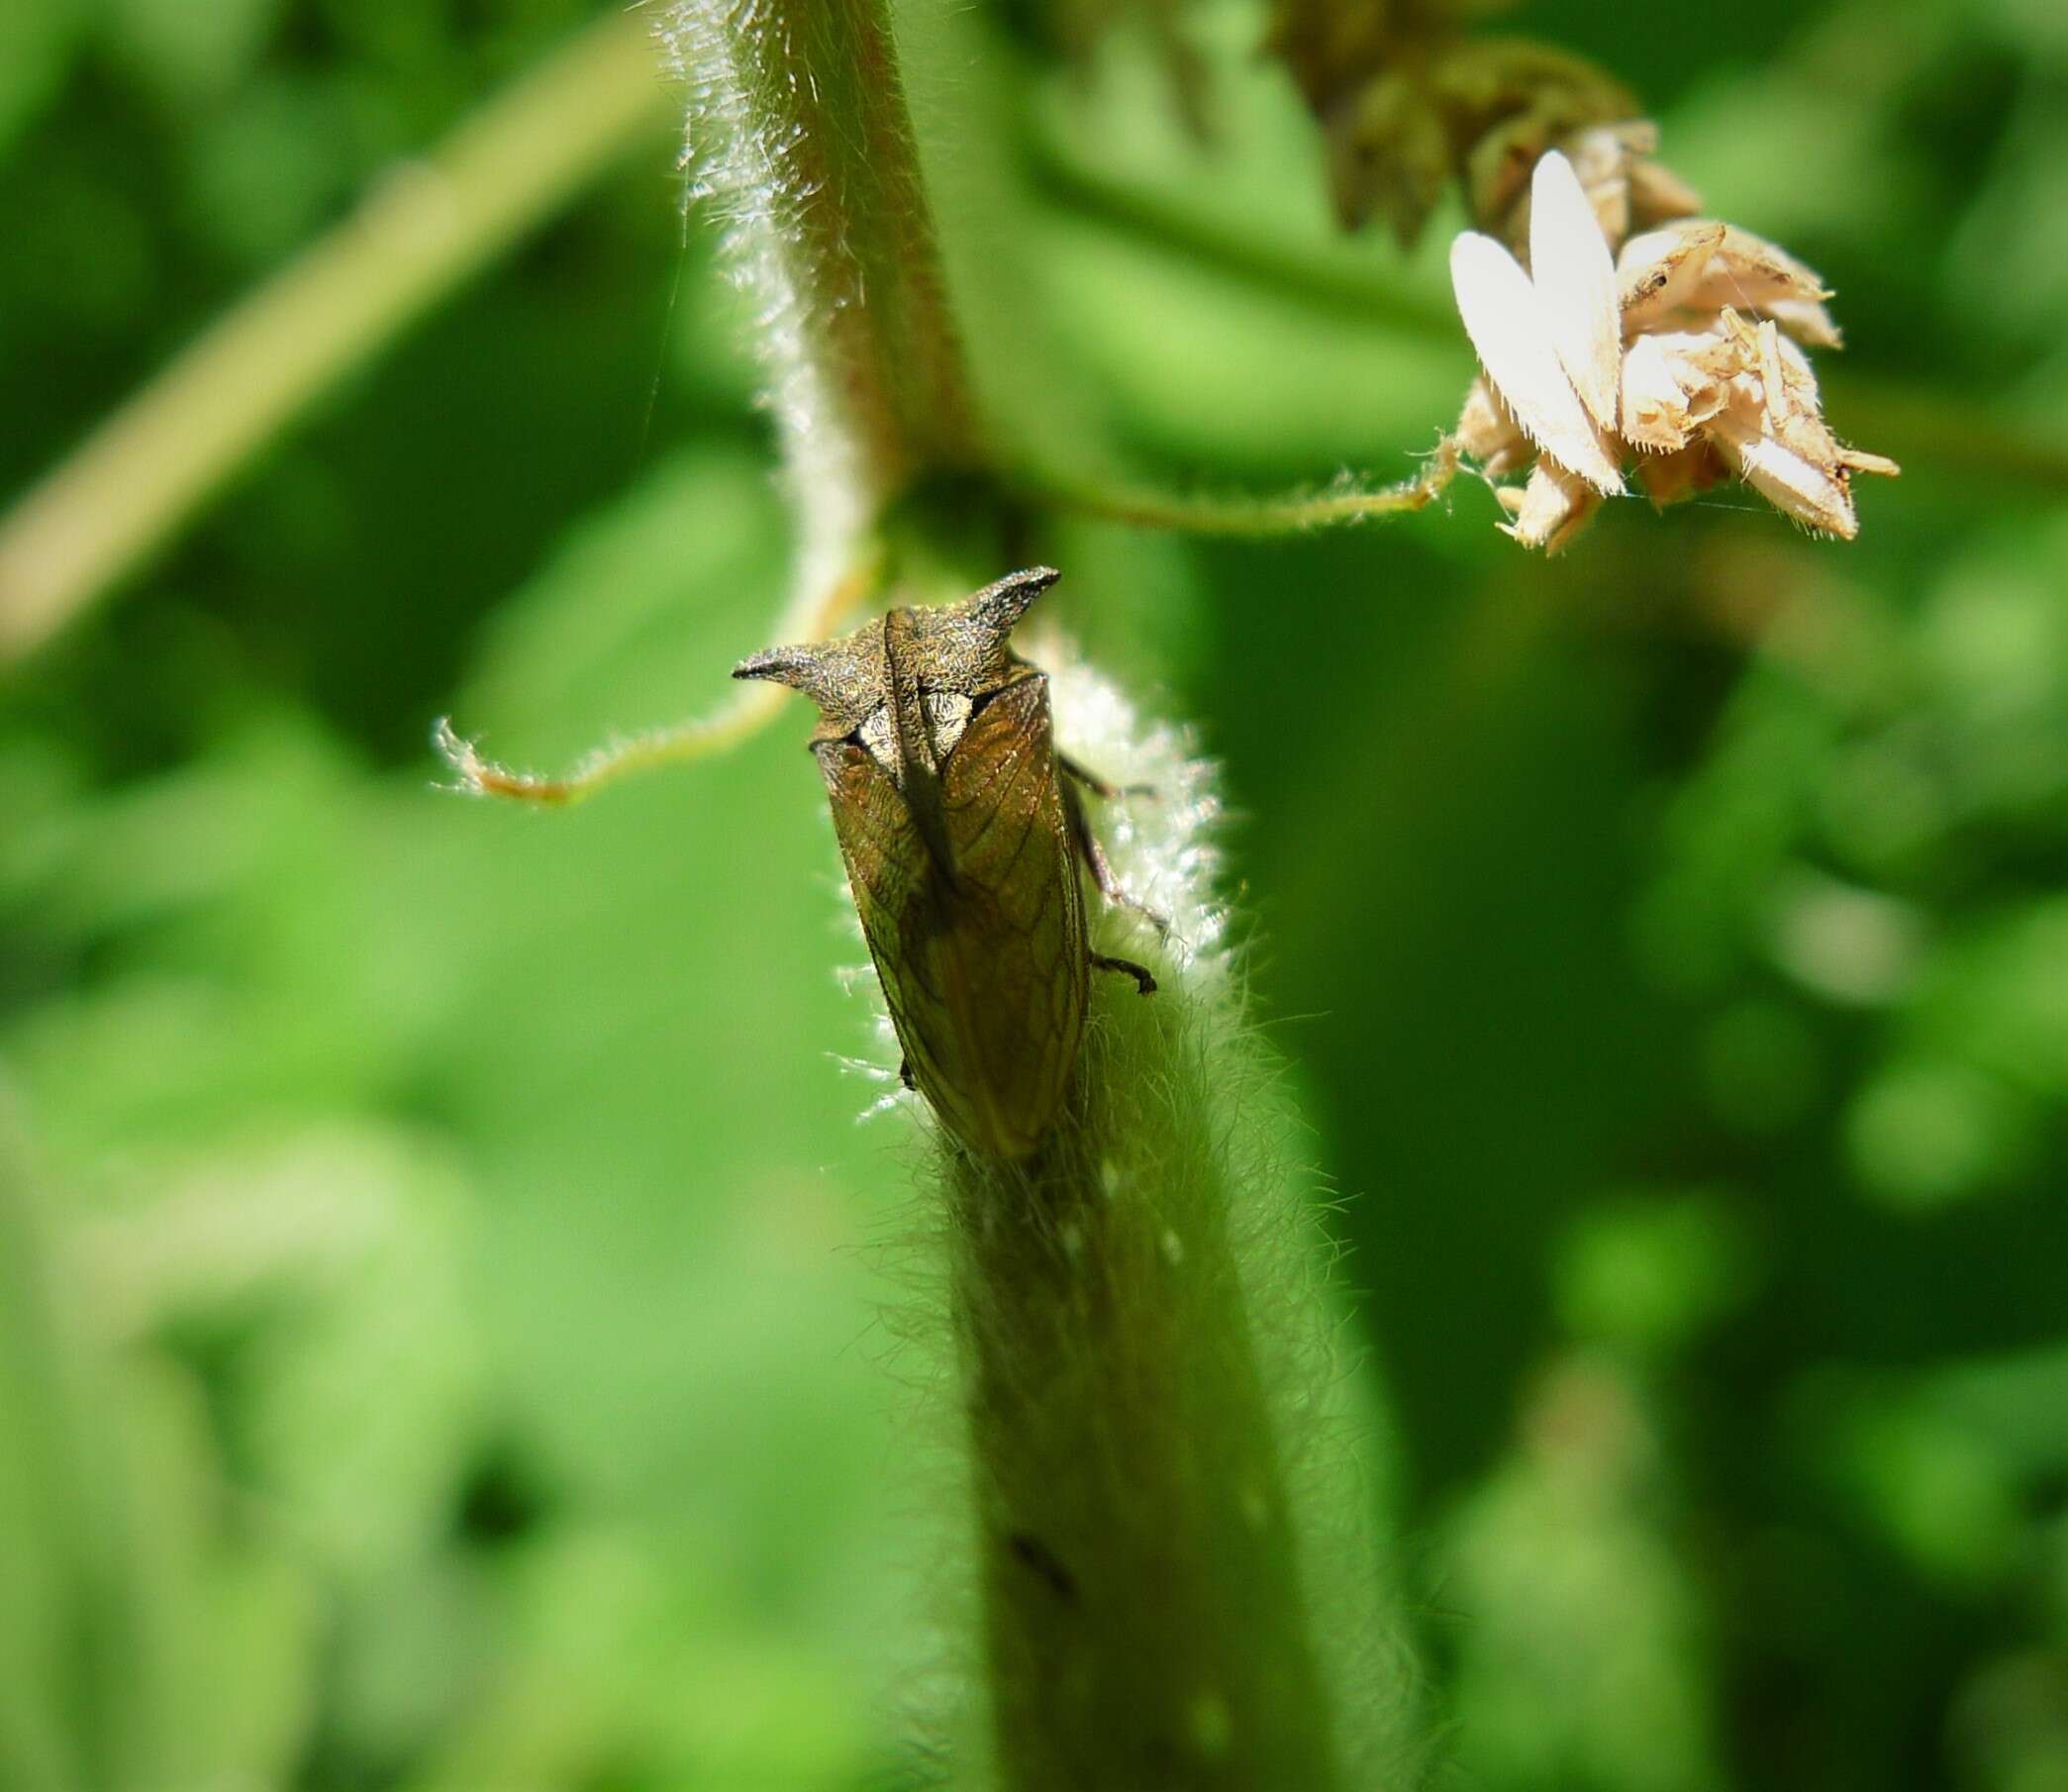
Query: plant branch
[
  {"x": 422, "y": 232},
  {"x": 798, "y": 122},
  {"x": 747, "y": 711},
  {"x": 1241, "y": 515},
  {"x": 1324, "y": 280},
  {"x": 1175, "y": 1559}
]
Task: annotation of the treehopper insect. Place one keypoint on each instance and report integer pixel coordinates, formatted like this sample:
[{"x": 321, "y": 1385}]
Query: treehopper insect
[{"x": 962, "y": 830}]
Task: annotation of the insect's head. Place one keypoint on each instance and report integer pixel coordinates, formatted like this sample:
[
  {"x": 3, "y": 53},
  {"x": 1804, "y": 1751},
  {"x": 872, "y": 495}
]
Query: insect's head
[{"x": 961, "y": 649}]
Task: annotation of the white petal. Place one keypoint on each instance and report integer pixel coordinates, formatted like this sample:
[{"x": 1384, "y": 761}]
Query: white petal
[
  {"x": 1508, "y": 330},
  {"x": 1575, "y": 280}
]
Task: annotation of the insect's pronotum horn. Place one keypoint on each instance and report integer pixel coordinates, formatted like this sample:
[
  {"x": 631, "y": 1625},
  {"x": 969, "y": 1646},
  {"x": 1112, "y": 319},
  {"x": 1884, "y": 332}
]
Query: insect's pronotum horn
[
  {"x": 802, "y": 668},
  {"x": 998, "y": 606},
  {"x": 779, "y": 666},
  {"x": 826, "y": 673}
]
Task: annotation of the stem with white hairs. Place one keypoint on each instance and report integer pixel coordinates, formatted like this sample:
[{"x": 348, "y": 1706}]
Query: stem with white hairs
[{"x": 1170, "y": 1535}]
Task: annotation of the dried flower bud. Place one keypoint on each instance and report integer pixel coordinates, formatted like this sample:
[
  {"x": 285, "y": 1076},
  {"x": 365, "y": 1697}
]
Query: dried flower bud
[
  {"x": 1487, "y": 434},
  {"x": 1405, "y": 103},
  {"x": 1549, "y": 510},
  {"x": 1683, "y": 473},
  {"x": 1388, "y": 153},
  {"x": 1687, "y": 350},
  {"x": 1507, "y": 101}
]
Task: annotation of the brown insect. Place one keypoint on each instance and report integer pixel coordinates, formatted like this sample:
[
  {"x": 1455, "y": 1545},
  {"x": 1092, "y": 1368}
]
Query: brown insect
[{"x": 962, "y": 829}]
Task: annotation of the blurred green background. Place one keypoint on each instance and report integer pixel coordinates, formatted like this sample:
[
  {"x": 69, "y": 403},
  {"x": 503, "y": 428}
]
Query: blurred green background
[{"x": 448, "y": 1307}]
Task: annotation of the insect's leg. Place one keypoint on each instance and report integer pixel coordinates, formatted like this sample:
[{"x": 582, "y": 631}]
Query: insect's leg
[
  {"x": 1097, "y": 785},
  {"x": 1144, "y": 983},
  {"x": 905, "y": 1073},
  {"x": 1094, "y": 856}
]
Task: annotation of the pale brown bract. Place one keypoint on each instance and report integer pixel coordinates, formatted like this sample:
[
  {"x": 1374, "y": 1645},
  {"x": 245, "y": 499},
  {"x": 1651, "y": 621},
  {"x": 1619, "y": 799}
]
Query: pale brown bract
[
  {"x": 962, "y": 834},
  {"x": 1684, "y": 352}
]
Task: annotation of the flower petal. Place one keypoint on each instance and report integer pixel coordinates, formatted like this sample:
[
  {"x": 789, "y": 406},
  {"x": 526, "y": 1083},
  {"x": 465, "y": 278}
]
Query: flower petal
[
  {"x": 1503, "y": 317},
  {"x": 1575, "y": 280}
]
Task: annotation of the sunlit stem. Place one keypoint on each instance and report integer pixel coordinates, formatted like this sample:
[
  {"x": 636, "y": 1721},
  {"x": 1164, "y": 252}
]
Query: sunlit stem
[
  {"x": 1235, "y": 514},
  {"x": 750, "y": 710},
  {"x": 426, "y": 227},
  {"x": 1147, "y": 1351},
  {"x": 746, "y": 716},
  {"x": 800, "y": 137}
]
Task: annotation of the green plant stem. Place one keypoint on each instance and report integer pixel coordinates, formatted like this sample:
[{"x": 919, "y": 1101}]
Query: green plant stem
[
  {"x": 798, "y": 127},
  {"x": 1143, "y": 1621},
  {"x": 798, "y": 116},
  {"x": 422, "y": 231},
  {"x": 1243, "y": 514},
  {"x": 1330, "y": 279},
  {"x": 1143, "y": 1605},
  {"x": 1131, "y": 1426}
]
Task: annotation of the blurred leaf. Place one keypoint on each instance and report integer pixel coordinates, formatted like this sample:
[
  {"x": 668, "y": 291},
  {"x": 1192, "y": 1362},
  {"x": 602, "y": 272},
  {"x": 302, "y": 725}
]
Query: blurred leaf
[
  {"x": 188, "y": 55},
  {"x": 1648, "y": 1274},
  {"x": 1581, "y": 1659},
  {"x": 37, "y": 41}
]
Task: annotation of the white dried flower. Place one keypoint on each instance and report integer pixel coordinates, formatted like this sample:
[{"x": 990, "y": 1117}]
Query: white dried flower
[{"x": 1686, "y": 349}]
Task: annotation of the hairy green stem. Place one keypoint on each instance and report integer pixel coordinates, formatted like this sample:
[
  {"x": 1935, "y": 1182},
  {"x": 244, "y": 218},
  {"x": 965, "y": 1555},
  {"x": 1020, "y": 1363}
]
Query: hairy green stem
[
  {"x": 1172, "y": 1544},
  {"x": 1142, "y": 1606},
  {"x": 799, "y": 133},
  {"x": 1243, "y": 514},
  {"x": 799, "y": 127},
  {"x": 1174, "y": 1529}
]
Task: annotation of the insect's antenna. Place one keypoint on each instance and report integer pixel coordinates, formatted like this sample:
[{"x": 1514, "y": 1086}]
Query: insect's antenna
[{"x": 997, "y": 607}]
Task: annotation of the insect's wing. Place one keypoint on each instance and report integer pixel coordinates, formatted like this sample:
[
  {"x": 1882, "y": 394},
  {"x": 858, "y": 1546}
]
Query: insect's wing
[
  {"x": 895, "y": 889},
  {"x": 1012, "y": 962},
  {"x": 984, "y": 963}
]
